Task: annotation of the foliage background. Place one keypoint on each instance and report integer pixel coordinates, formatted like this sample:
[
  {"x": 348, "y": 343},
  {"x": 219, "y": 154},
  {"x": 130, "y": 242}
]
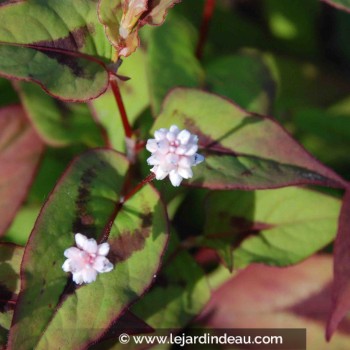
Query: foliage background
[{"x": 287, "y": 59}]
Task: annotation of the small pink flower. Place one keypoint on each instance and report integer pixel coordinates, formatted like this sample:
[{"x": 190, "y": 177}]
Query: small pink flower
[
  {"x": 86, "y": 260},
  {"x": 173, "y": 153}
]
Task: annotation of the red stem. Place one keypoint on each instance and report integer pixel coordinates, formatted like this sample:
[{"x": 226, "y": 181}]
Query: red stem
[
  {"x": 119, "y": 100},
  {"x": 207, "y": 16},
  {"x": 145, "y": 181}
]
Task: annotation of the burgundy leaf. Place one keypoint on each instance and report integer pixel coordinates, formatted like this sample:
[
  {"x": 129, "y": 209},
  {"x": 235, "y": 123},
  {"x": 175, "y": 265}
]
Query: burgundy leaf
[
  {"x": 341, "y": 284},
  {"x": 270, "y": 297},
  {"x": 20, "y": 151}
]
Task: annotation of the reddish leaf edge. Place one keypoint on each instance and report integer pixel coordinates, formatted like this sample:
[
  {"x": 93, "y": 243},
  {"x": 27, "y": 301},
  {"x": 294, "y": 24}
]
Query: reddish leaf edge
[
  {"x": 339, "y": 181},
  {"x": 46, "y": 140},
  {"x": 104, "y": 235},
  {"x": 149, "y": 286},
  {"x": 341, "y": 270},
  {"x": 143, "y": 18},
  {"x": 337, "y": 312},
  {"x": 68, "y": 53},
  {"x": 43, "y": 207},
  {"x": 124, "y": 310},
  {"x": 35, "y": 172},
  {"x": 337, "y": 6}
]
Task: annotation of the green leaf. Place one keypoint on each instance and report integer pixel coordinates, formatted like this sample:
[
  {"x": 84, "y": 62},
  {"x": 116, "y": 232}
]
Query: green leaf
[
  {"x": 10, "y": 262},
  {"x": 22, "y": 225},
  {"x": 53, "y": 164},
  {"x": 340, "y": 4},
  {"x": 326, "y": 134},
  {"x": 87, "y": 200},
  {"x": 7, "y": 94},
  {"x": 171, "y": 59},
  {"x": 59, "y": 123},
  {"x": 61, "y": 46},
  {"x": 135, "y": 97},
  {"x": 20, "y": 152},
  {"x": 294, "y": 25},
  {"x": 277, "y": 227},
  {"x": 179, "y": 294},
  {"x": 242, "y": 150},
  {"x": 246, "y": 79},
  {"x": 304, "y": 84}
]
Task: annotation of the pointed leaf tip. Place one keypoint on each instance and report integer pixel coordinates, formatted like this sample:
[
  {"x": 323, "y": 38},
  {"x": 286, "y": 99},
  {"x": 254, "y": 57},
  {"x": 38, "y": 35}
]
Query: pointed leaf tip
[
  {"x": 60, "y": 47},
  {"x": 256, "y": 153},
  {"x": 341, "y": 283}
]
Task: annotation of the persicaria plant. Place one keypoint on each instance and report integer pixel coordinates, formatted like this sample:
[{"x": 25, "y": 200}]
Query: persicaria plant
[{"x": 144, "y": 184}]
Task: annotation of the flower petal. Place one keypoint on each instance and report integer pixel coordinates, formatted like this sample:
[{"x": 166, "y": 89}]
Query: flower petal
[
  {"x": 80, "y": 240},
  {"x": 77, "y": 263},
  {"x": 89, "y": 275},
  {"x": 151, "y": 145},
  {"x": 103, "y": 249},
  {"x": 72, "y": 252},
  {"x": 163, "y": 146},
  {"x": 160, "y": 134},
  {"x": 185, "y": 162},
  {"x": 152, "y": 160},
  {"x": 191, "y": 150},
  {"x": 66, "y": 266},
  {"x": 172, "y": 158},
  {"x": 171, "y": 136},
  {"x": 174, "y": 129},
  {"x": 186, "y": 173},
  {"x": 175, "y": 178},
  {"x": 102, "y": 264},
  {"x": 91, "y": 246},
  {"x": 184, "y": 136},
  {"x": 78, "y": 277},
  {"x": 160, "y": 173}
]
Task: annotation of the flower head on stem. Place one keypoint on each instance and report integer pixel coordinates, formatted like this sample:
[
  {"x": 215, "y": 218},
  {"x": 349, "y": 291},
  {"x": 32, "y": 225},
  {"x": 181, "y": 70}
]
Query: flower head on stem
[
  {"x": 174, "y": 152},
  {"x": 87, "y": 259}
]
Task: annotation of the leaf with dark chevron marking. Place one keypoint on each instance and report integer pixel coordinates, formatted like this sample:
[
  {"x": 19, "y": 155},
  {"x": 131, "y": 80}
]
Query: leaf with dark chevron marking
[
  {"x": 242, "y": 150},
  {"x": 59, "y": 45},
  {"x": 87, "y": 200}
]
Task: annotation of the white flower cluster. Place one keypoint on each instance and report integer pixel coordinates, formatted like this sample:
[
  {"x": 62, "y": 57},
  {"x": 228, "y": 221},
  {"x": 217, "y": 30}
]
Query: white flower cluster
[
  {"x": 86, "y": 260},
  {"x": 174, "y": 152}
]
